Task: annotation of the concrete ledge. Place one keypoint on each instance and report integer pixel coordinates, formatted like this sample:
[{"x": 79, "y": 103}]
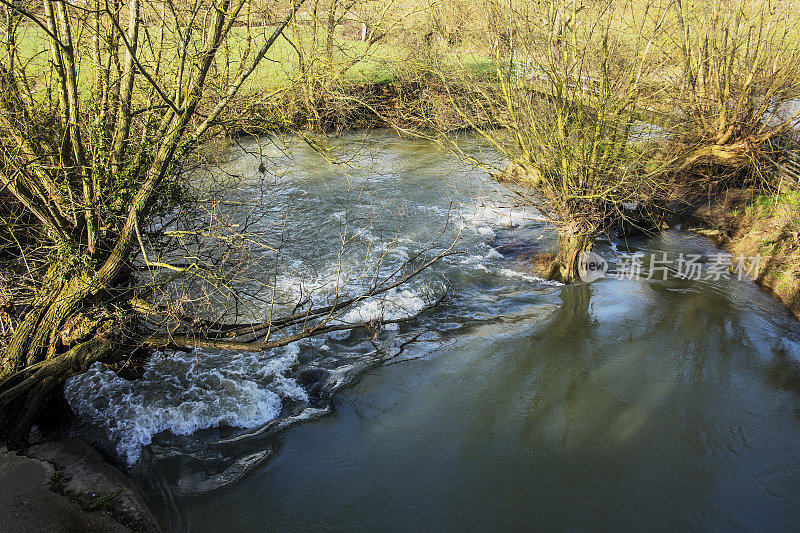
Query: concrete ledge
[
  {"x": 27, "y": 502},
  {"x": 87, "y": 478}
]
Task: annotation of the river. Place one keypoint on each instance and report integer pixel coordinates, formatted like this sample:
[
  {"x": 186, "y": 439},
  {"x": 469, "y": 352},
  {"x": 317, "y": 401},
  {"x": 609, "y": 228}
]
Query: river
[{"x": 521, "y": 403}]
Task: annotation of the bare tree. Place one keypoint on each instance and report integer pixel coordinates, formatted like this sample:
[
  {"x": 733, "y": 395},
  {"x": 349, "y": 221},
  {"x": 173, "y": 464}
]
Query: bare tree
[
  {"x": 561, "y": 101},
  {"x": 739, "y": 69},
  {"x": 104, "y": 107}
]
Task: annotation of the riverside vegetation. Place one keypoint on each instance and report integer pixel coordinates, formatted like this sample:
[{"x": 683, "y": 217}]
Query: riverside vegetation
[{"x": 109, "y": 251}]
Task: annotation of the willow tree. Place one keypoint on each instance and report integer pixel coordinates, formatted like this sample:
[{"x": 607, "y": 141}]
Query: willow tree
[
  {"x": 564, "y": 104},
  {"x": 740, "y": 76},
  {"x": 103, "y": 104}
]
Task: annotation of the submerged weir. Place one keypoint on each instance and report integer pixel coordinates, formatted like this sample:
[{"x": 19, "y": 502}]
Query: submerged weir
[{"x": 515, "y": 402}]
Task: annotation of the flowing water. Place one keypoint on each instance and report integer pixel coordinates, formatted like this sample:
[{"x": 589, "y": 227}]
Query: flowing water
[{"x": 519, "y": 403}]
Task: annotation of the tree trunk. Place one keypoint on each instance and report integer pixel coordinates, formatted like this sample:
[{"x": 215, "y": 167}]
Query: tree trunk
[
  {"x": 24, "y": 394},
  {"x": 54, "y": 342},
  {"x": 330, "y": 29},
  {"x": 734, "y": 155},
  {"x": 571, "y": 243}
]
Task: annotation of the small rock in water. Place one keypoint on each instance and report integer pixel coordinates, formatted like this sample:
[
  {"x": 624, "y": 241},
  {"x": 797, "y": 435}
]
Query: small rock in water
[{"x": 513, "y": 248}]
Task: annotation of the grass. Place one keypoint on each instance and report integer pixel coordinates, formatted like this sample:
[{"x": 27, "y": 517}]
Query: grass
[
  {"x": 278, "y": 69},
  {"x": 765, "y": 205},
  {"x": 101, "y": 502},
  {"x": 631, "y": 20}
]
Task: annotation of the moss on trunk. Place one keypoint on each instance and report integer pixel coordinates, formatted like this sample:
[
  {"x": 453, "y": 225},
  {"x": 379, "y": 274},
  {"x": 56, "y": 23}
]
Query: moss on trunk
[
  {"x": 571, "y": 243},
  {"x": 62, "y": 335}
]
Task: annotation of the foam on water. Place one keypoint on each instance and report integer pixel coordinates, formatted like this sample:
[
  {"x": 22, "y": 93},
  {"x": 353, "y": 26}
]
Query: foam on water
[
  {"x": 197, "y": 482},
  {"x": 492, "y": 216},
  {"x": 527, "y": 277},
  {"x": 183, "y": 393},
  {"x": 393, "y": 305}
]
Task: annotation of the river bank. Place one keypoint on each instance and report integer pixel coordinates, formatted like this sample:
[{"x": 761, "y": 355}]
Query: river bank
[
  {"x": 748, "y": 223},
  {"x": 66, "y": 485},
  {"x": 745, "y": 222},
  {"x": 418, "y": 102}
]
